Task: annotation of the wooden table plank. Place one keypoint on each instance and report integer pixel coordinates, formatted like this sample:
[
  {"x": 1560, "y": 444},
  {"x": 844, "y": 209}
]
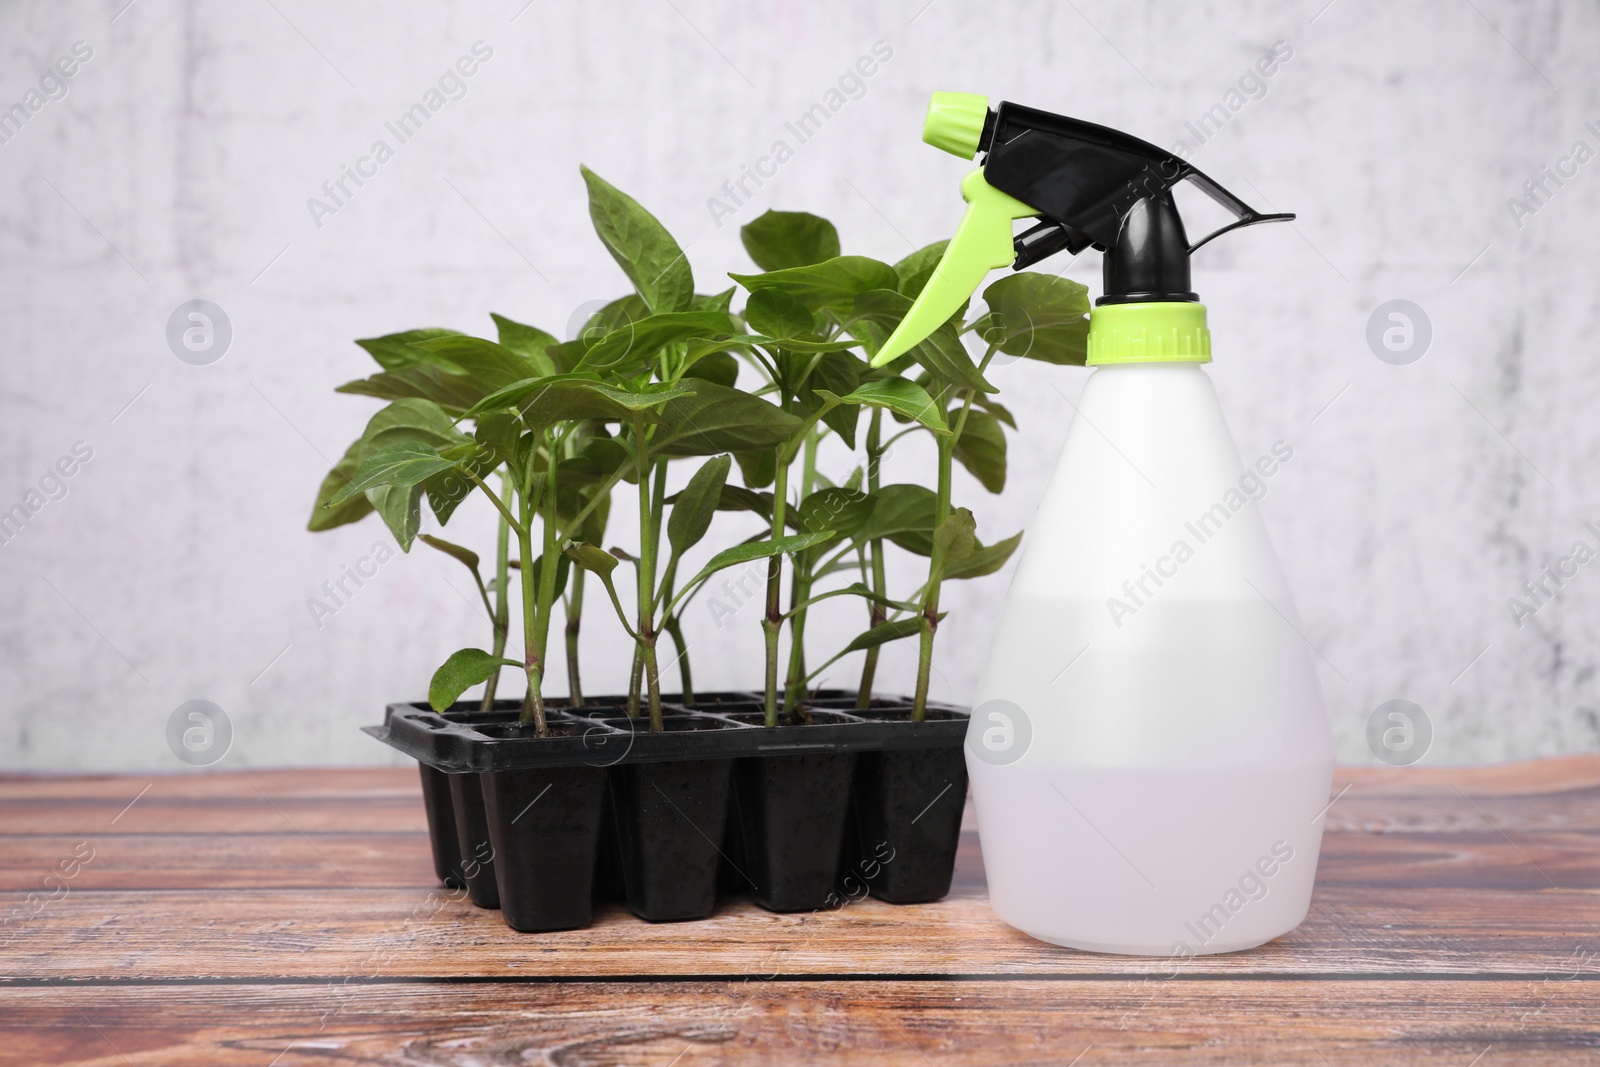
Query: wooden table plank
[
  {"x": 901, "y": 1024},
  {"x": 1531, "y": 795},
  {"x": 330, "y": 932},
  {"x": 226, "y": 916},
  {"x": 256, "y": 813},
  {"x": 401, "y": 859}
]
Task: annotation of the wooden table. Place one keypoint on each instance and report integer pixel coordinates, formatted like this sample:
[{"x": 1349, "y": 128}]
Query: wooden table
[{"x": 291, "y": 918}]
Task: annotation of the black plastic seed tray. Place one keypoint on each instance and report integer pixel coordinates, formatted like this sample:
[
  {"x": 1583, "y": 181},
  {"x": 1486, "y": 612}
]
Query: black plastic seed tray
[{"x": 718, "y": 726}]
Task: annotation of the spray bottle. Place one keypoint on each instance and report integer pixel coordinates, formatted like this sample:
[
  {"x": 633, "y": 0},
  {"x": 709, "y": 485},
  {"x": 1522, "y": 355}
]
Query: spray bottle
[{"x": 1149, "y": 753}]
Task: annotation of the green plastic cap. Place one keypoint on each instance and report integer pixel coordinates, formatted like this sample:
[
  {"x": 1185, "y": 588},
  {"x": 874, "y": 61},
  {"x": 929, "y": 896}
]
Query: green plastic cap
[
  {"x": 955, "y": 122},
  {"x": 1160, "y": 331}
]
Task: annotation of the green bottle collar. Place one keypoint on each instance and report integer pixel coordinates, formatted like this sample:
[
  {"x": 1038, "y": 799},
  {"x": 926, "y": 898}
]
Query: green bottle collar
[{"x": 1160, "y": 332}]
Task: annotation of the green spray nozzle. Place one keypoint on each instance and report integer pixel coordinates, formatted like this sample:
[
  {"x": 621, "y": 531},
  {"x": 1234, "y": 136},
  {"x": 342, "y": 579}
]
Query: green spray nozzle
[
  {"x": 981, "y": 244},
  {"x": 955, "y": 122},
  {"x": 1090, "y": 185}
]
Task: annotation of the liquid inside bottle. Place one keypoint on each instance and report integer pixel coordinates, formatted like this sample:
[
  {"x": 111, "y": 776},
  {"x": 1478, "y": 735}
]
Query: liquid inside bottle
[{"x": 1149, "y": 753}]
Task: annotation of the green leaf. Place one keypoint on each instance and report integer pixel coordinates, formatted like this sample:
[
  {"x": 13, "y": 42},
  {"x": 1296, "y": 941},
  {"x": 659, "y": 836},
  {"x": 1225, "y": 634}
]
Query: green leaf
[
  {"x": 981, "y": 448},
  {"x": 738, "y": 498},
  {"x": 562, "y": 397},
  {"x": 463, "y": 670},
  {"x": 988, "y": 403},
  {"x": 412, "y": 420},
  {"x": 719, "y": 367},
  {"x": 883, "y": 633},
  {"x": 601, "y": 563},
  {"x": 906, "y": 397},
  {"x": 843, "y": 511},
  {"x": 403, "y": 465},
  {"x": 1037, "y": 316},
  {"x": 829, "y": 286},
  {"x": 605, "y": 453},
  {"x": 591, "y": 557},
  {"x": 722, "y": 301},
  {"x": 955, "y": 537},
  {"x": 593, "y": 529},
  {"x": 393, "y": 351},
  {"x": 697, "y": 504},
  {"x": 465, "y": 556},
  {"x": 485, "y": 361},
  {"x": 400, "y": 508},
  {"x": 415, "y": 424},
  {"x": 529, "y": 342},
  {"x": 498, "y": 431},
  {"x": 941, "y": 352},
  {"x": 775, "y": 313},
  {"x": 641, "y": 246},
  {"x": 618, "y": 313},
  {"x": 780, "y": 239},
  {"x": 352, "y": 510},
  {"x": 982, "y": 560},
  {"x": 716, "y": 419},
  {"x": 792, "y": 344},
  {"x": 915, "y": 270},
  {"x": 563, "y": 566},
  {"x": 853, "y": 589},
  {"x": 634, "y": 343},
  {"x": 902, "y": 513},
  {"x": 754, "y": 550},
  {"x": 447, "y": 490},
  {"x": 759, "y": 468},
  {"x": 454, "y": 392},
  {"x": 835, "y": 373}
]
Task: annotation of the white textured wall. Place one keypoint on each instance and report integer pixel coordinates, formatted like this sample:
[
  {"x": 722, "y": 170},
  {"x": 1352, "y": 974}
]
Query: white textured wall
[{"x": 179, "y": 164}]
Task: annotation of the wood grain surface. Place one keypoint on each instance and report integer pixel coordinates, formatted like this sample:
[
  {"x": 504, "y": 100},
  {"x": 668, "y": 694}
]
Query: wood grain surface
[{"x": 291, "y": 917}]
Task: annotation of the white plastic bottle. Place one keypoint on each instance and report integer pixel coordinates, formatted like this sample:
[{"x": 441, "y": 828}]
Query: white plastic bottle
[{"x": 1149, "y": 754}]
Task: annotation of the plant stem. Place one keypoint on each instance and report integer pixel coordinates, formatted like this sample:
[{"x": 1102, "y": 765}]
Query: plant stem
[
  {"x": 636, "y": 681},
  {"x": 533, "y": 703},
  {"x": 772, "y": 624},
  {"x": 574, "y": 619},
  {"x": 502, "y": 595},
  {"x": 549, "y": 559},
  {"x": 672, "y": 626},
  {"x": 800, "y": 591},
  {"x": 652, "y": 490},
  {"x": 500, "y": 505},
  {"x": 876, "y": 613},
  {"x": 930, "y": 597}
]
